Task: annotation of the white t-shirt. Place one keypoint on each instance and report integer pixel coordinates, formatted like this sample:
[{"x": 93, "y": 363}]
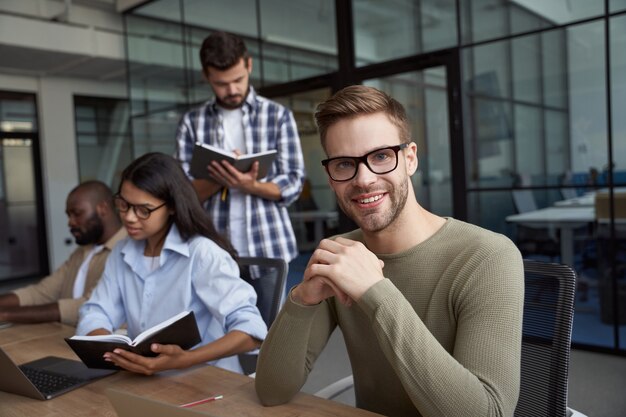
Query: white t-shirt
[
  {"x": 81, "y": 275},
  {"x": 234, "y": 139},
  {"x": 151, "y": 262}
]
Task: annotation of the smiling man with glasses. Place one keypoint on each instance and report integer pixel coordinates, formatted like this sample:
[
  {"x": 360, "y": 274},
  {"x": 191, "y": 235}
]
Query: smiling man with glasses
[{"x": 430, "y": 307}]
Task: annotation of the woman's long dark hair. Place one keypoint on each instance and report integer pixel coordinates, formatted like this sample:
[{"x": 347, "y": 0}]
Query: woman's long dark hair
[{"x": 161, "y": 176}]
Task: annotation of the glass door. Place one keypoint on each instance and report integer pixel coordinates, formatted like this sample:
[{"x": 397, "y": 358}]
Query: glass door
[
  {"x": 424, "y": 95},
  {"x": 22, "y": 239},
  {"x": 315, "y": 214}
]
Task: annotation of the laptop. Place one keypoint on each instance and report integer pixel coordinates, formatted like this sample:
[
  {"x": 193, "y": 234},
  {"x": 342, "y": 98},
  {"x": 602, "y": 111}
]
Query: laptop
[
  {"x": 131, "y": 405},
  {"x": 45, "y": 378}
]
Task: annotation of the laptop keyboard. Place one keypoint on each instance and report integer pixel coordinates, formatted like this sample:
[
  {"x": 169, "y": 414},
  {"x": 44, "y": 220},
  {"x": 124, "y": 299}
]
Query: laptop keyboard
[{"x": 49, "y": 382}]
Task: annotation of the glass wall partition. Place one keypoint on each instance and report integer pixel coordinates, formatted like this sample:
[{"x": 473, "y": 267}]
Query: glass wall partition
[
  {"x": 617, "y": 5},
  {"x": 615, "y": 291},
  {"x": 157, "y": 77},
  {"x": 23, "y": 239},
  {"x": 484, "y": 20},
  {"x": 164, "y": 39},
  {"x": 538, "y": 158},
  {"x": 516, "y": 94},
  {"x": 386, "y": 31},
  {"x": 424, "y": 96},
  {"x": 314, "y": 215},
  {"x": 102, "y": 138}
]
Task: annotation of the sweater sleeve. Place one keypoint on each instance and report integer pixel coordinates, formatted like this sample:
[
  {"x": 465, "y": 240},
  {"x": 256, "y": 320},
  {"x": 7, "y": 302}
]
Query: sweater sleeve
[
  {"x": 295, "y": 340},
  {"x": 56, "y": 287},
  {"x": 68, "y": 309},
  {"x": 480, "y": 377}
]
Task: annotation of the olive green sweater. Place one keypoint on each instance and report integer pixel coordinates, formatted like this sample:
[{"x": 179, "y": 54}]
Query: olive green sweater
[{"x": 440, "y": 336}]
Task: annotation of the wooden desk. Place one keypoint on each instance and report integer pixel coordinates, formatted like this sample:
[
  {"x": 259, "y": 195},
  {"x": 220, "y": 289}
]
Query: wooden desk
[{"x": 28, "y": 342}]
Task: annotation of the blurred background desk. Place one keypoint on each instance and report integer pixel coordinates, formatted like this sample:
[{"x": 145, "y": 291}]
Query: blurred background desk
[
  {"x": 29, "y": 342},
  {"x": 310, "y": 226},
  {"x": 586, "y": 200},
  {"x": 563, "y": 219}
]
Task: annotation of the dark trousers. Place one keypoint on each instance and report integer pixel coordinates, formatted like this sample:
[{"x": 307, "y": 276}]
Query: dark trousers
[{"x": 265, "y": 288}]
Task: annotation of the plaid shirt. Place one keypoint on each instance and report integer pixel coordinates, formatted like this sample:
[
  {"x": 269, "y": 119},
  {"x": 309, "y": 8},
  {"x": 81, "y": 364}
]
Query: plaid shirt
[{"x": 266, "y": 125}]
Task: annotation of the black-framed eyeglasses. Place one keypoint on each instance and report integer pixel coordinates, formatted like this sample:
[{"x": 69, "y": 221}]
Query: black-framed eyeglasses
[
  {"x": 141, "y": 211},
  {"x": 379, "y": 161}
]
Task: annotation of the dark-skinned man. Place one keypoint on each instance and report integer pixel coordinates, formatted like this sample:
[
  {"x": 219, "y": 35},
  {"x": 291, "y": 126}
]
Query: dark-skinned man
[{"x": 96, "y": 227}]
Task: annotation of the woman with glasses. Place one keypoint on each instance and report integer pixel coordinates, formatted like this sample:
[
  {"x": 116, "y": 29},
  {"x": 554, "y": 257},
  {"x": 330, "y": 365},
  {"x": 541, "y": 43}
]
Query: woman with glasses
[{"x": 173, "y": 260}]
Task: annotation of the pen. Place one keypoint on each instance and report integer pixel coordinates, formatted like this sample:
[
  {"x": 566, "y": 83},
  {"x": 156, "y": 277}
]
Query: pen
[
  {"x": 224, "y": 193},
  {"x": 206, "y": 400}
]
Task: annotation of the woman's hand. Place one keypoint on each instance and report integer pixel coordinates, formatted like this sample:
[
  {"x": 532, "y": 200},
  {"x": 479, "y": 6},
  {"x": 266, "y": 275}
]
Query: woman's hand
[{"x": 169, "y": 357}]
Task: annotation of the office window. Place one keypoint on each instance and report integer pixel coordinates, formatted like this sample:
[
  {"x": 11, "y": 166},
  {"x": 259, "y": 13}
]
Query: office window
[
  {"x": 618, "y": 98},
  {"x": 533, "y": 98},
  {"x": 491, "y": 19},
  {"x": 18, "y": 112},
  {"x": 526, "y": 68},
  {"x": 233, "y": 16},
  {"x": 536, "y": 138},
  {"x": 314, "y": 215},
  {"x": 299, "y": 39},
  {"x": 500, "y": 205},
  {"x": 514, "y": 98},
  {"x": 102, "y": 138},
  {"x": 587, "y": 98},
  {"x": 528, "y": 150},
  {"x": 489, "y": 115},
  {"x": 554, "y": 68},
  {"x": 165, "y": 36},
  {"x": 23, "y": 237},
  {"x": 617, "y": 5},
  {"x": 384, "y": 31},
  {"x": 156, "y": 77},
  {"x": 156, "y": 132},
  {"x": 423, "y": 95}
]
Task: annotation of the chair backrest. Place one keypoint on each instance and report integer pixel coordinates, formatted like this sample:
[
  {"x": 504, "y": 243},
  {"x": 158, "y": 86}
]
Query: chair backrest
[
  {"x": 524, "y": 201},
  {"x": 273, "y": 273},
  {"x": 568, "y": 193},
  {"x": 546, "y": 339}
]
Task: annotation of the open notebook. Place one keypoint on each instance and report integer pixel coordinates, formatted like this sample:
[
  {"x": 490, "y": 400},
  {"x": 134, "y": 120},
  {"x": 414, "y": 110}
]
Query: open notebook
[{"x": 45, "y": 378}]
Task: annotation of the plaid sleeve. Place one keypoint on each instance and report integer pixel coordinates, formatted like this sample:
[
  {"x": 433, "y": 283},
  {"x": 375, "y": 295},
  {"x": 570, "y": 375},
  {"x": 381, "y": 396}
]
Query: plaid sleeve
[
  {"x": 185, "y": 139},
  {"x": 291, "y": 162}
]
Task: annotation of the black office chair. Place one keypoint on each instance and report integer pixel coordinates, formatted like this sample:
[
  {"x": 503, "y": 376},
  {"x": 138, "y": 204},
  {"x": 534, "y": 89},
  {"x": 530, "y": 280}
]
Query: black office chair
[
  {"x": 268, "y": 269},
  {"x": 546, "y": 339}
]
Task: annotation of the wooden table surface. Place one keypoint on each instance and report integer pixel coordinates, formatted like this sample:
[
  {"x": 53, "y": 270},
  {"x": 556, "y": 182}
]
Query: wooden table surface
[{"x": 24, "y": 343}]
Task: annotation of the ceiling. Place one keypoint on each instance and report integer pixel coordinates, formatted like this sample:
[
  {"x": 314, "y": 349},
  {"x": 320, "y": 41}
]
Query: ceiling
[
  {"x": 38, "y": 62},
  {"x": 25, "y": 53}
]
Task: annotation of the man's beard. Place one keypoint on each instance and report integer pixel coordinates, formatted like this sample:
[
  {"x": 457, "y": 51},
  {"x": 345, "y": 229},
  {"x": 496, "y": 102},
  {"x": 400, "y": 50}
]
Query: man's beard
[
  {"x": 378, "y": 220},
  {"x": 93, "y": 231},
  {"x": 229, "y": 106}
]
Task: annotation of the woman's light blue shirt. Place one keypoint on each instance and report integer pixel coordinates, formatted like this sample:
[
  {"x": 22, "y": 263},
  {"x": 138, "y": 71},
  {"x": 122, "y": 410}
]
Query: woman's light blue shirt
[{"x": 195, "y": 275}]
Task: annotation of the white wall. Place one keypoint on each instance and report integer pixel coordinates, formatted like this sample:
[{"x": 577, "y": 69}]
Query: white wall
[{"x": 55, "y": 108}]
